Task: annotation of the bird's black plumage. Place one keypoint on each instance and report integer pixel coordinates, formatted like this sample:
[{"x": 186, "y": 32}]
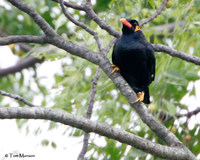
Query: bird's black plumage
[{"x": 134, "y": 56}]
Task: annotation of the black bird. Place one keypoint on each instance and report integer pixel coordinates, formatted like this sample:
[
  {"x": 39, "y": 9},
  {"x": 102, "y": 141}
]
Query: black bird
[{"x": 134, "y": 57}]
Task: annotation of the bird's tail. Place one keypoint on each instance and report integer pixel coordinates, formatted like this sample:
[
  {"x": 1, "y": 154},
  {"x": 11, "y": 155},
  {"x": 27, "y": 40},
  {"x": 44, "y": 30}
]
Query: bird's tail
[{"x": 146, "y": 97}]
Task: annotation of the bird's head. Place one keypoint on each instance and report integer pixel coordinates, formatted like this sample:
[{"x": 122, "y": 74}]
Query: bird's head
[{"x": 129, "y": 25}]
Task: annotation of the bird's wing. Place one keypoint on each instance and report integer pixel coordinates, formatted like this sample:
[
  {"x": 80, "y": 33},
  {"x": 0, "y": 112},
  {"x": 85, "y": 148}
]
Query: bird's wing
[
  {"x": 114, "y": 53},
  {"x": 151, "y": 62}
]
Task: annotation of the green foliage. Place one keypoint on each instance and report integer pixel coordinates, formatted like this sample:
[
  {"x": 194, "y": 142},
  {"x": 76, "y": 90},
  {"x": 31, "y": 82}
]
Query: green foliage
[
  {"x": 102, "y": 5},
  {"x": 73, "y": 86},
  {"x": 45, "y": 142},
  {"x": 53, "y": 145}
]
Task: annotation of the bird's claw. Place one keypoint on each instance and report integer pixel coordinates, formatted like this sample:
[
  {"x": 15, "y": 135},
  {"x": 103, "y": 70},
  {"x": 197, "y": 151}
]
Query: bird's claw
[
  {"x": 140, "y": 97},
  {"x": 115, "y": 69}
]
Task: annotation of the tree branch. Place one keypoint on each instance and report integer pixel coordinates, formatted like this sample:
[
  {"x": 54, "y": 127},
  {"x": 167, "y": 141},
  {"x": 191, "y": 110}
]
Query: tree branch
[
  {"x": 157, "y": 47},
  {"x": 89, "y": 111},
  {"x": 124, "y": 88},
  {"x": 100, "y": 22},
  {"x": 190, "y": 114},
  {"x": 28, "y": 61},
  {"x": 169, "y": 27},
  {"x": 17, "y": 97},
  {"x": 22, "y": 39},
  {"x": 53, "y": 38},
  {"x": 174, "y": 53},
  {"x": 91, "y": 102},
  {"x": 74, "y": 6},
  {"x": 84, "y": 147},
  {"x": 111, "y": 43},
  {"x": 90, "y": 12},
  {"x": 160, "y": 130},
  {"x": 158, "y": 11},
  {"x": 175, "y": 153},
  {"x": 89, "y": 2},
  {"x": 93, "y": 92},
  {"x": 82, "y": 25},
  {"x": 25, "y": 63},
  {"x": 22, "y": 46}
]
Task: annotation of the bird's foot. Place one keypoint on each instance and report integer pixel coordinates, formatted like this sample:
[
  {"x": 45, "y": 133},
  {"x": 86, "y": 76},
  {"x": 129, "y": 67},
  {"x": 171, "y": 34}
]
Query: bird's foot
[
  {"x": 140, "y": 97},
  {"x": 115, "y": 69}
]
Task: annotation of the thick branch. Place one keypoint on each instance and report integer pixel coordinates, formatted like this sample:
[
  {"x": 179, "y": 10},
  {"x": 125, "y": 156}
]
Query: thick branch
[
  {"x": 99, "y": 128},
  {"x": 160, "y": 130},
  {"x": 174, "y": 53},
  {"x": 75, "y": 49},
  {"x": 145, "y": 115}
]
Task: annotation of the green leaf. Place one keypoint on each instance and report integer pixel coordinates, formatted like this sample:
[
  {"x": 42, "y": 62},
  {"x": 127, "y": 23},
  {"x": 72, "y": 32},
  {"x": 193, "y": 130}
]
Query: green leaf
[
  {"x": 52, "y": 125},
  {"x": 53, "y": 144},
  {"x": 102, "y": 5},
  {"x": 191, "y": 75},
  {"x": 45, "y": 142},
  {"x": 151, "y": 2},
  {"x": 58, "y": 78},
  {"x": 21, "y": 122},
  {"x": 120, "y": 8},
  {"x": 69, "y": 70},
  {"x": 171, "y": 108}
]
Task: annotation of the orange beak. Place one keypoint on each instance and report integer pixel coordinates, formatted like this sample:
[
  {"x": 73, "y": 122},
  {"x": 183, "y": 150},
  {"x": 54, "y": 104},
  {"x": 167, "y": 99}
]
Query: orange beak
[{"x": 126, "y": 23}]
